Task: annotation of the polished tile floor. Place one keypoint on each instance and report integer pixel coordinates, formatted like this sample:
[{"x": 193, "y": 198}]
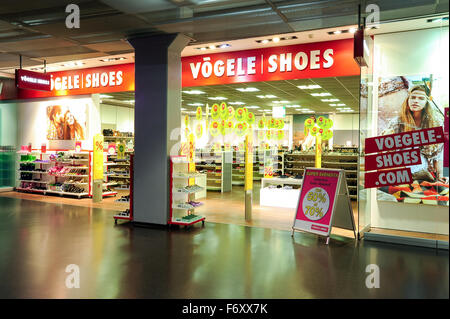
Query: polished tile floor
[{"x": 38, "y": 240}]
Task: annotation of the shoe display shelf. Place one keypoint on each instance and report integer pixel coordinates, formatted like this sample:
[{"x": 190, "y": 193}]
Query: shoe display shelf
[
  {"x": 128, "y": 213},
  {"x": 218, "y": 169},
  {"x": 295, "y": 162},
  {"x": 183, "y": 185},
  {"x": 118, "y": 172},
  {"x": 239, "y": 166},
  {"x": 62, "y": 172}
]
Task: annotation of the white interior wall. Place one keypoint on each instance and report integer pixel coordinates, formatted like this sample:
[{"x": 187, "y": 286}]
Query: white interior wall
[
  {"x": 411, "y": 53},
  {"x": 32, "y": 119},
  {"x": 121, "y": 117}
]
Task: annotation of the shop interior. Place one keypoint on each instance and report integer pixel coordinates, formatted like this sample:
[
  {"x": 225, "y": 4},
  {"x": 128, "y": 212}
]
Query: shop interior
[{"x": 275, "y": 189}]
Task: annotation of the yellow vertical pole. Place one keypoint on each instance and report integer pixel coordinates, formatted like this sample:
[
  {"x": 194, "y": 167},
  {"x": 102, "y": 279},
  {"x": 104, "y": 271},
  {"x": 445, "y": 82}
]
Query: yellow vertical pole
[
  {"x": 248, "y": 187},
  {"x": 318, "y": 151}
]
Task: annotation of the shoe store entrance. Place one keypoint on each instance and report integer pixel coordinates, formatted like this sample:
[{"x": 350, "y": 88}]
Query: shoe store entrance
[{"x": 257, "y": 101}]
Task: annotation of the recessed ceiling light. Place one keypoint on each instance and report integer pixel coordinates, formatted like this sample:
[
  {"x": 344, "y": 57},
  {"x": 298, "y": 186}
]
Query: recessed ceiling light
[
  {"x": 225, "y": 45},
  {"x": 253, "y": 107},
  {"x": 212, "y": 47},
  {"x": 194, "y": 92},
  {"x": 337, "y": 32},
  {"x": 268, "y": 96},
  {"x": 218, "y": 98},
  {"x": 236, "y": 103},
  {"x": 352, "y": 30},
  {"x": 195, "y": 104},
  {"x": 265, "y": 41},
  {"x": 333, "y": 104},
  {"x": 341, "y": 104},
  {"x": 309, "y": 87},
  {"x": 183, "y": 109},
  {"x": 280, "y": 102},
  {"x": 276, "y": 39},
  {"x": 248, "y": 89},
  {"x": 203, "y": 48},
  {"x": 330, "y": 100},
  {"x": 321, "y": 94}
]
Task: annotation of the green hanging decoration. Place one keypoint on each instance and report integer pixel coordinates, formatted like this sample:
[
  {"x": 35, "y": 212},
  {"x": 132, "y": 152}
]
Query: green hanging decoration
[
  {"x": 261, "y": 135},
  {"x": 223, "y": 110},
  {"x": 198, "y": 114},
  {"x": 214, "y": 128},
  {"x": 240, "y": 114},
  {"x": 199, "y": 130},
  {"x": 261, "y": 124},
  {"x": 215, "y": 112},
  {"x": 239, "y": 129},
  {"x": 250, "y": 118},
  {"x": 230, "y": 112},
  {"x": 321, "y": 121},
  {"x": 280, "y": 134}
]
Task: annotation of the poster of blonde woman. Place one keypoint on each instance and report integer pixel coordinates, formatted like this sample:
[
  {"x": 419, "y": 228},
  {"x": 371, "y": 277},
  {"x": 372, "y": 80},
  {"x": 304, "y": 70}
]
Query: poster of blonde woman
[
  {"x": 66, "y": 122},
  {"x": 407, "y": 103}
]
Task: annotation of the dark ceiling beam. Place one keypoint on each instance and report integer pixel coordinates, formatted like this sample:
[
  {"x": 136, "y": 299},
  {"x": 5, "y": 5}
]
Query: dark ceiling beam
[{"x": 280, "y": 14}]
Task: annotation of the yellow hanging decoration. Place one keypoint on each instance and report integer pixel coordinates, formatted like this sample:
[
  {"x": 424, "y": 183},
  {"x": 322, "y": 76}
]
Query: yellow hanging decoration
[
  {"x": 214, "y": 128},
  {"x": 240, "y": 114},
  {"x": 199, "y": 130},
  {"x": 198, "y": 114},
  {"x": 215, "y": 112}
]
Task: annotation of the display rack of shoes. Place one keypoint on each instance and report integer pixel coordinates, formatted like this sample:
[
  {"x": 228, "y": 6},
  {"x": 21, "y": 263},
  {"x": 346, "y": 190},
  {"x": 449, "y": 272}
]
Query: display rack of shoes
[
  {"x": 183, "y": 190},
  {"x": 217, "y": 165},
  {"x": 127, "y": 199},
  {"x": 296, "y": 161},
  {"x": 65, "y": 173}
]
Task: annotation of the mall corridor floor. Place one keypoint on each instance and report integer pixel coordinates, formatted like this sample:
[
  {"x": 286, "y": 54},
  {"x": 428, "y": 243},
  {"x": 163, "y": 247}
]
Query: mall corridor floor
[{"x": 39, "y": 240}]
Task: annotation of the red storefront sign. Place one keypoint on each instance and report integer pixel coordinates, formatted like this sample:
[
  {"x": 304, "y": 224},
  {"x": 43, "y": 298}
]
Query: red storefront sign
[
  {"x": 399, "y": 141},
  {"x": 311, "y": 60},
  {"x": 396, "y": 158},
  {"x": 114, "y": 78},
  {"x": 33, "y": 80}
]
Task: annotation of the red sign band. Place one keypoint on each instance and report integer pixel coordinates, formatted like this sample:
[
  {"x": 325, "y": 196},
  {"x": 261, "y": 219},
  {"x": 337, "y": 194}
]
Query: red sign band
[
  {"x": 404, "y": 140},
  {"x": 33, "y": 80},
  {"x": 388, "y": 178},
  {"x": 311, "y": 60}
]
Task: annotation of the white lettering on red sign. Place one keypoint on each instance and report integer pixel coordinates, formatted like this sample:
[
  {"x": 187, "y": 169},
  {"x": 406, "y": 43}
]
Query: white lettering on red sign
[
  {"x": 29, "y": 79},
  {"x": 414, "y": 139},
  {"x": 91, "y": 80},
  {"x": 397, "y": 159},
  {"x": 284, "y": 62}
]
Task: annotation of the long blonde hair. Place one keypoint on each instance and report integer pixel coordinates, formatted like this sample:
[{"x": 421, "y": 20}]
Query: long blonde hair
[{"x": 427, "y": 117}]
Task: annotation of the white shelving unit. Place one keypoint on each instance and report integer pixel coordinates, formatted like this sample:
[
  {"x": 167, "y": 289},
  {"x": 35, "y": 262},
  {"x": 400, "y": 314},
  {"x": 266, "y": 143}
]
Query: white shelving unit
[
  {"x": 41, "y": 179},
  {"x": 183, "y": 190},
  {"x": 219, "y": 169}
]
